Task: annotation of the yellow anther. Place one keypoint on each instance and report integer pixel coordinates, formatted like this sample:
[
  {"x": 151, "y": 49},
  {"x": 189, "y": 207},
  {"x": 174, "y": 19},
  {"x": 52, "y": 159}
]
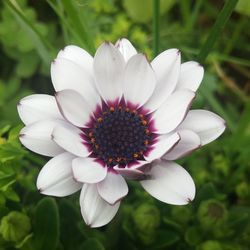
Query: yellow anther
[
  {"x": 112, "y": 109},
  {"x": 127, "y": 109},
  {"x": 146, "y": 142},
  {"x": 144, "y": 122},
  {"x": 100, "y": 119},
  {"x": 135, "y": 155}
]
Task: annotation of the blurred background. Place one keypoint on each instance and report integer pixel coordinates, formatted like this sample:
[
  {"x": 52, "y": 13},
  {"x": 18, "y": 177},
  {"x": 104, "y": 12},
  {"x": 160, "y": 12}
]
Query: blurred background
[{"x": 31, "y": 34}]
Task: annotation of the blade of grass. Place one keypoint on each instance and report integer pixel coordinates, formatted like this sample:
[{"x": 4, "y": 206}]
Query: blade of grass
[
  {"x": 236, "y": 34},
  {"x": 77, "y": 24},
  {"x": 217, "y": 56},
  {"x": 64, "y": 22},
  {"x": 194, "y": 15},
  {"x": 64, "y": 28},
  {"x": 185, "y": 11},
  {"x": 216, "y": 29},
  {"x": 43, "y": 48},
  {"x": 156, "y": 24}
]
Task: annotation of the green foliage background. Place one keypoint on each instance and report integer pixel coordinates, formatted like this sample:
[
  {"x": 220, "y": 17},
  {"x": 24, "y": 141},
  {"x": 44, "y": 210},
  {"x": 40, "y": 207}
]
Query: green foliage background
[{"x": 31, "y": 34}]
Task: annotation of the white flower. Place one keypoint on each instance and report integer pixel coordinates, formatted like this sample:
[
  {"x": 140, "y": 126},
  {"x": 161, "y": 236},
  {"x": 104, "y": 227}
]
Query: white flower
[{"x": 115, "y": 117}]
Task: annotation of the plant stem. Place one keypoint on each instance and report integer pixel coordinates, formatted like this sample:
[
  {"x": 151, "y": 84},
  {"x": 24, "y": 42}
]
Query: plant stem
[
  {"x": 156, "y": 23},
  {"x": 216, "y": 30}
]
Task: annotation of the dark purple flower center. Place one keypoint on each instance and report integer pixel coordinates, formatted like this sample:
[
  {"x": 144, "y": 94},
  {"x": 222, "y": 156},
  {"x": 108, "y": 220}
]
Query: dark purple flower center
[{"x": 120, "y": 136}]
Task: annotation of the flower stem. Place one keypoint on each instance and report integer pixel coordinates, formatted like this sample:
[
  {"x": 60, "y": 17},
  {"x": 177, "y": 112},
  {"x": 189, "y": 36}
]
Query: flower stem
[
  {"x": 156, "y": 22},
  {"x": 216, "y": 29}
]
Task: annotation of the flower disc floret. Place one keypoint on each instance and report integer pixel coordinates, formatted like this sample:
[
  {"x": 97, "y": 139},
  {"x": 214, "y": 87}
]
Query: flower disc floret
[{"x": 120, "y": 135}]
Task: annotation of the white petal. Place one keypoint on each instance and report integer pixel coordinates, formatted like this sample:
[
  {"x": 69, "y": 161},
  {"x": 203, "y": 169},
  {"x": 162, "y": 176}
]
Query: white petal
[
  {"x": 113, "y": 188},
  {"x": 189, "y": 142},
  {"x": 56, "y": 177},
  {"x": 73, "y": 107},
  {"x": 130, "y": 173},
  {"x": 139, "y": 80},
  {"x": 78, "y": 56},
  {"x": 95, "y": 211},
  {"x": 88, "y": 170},
  {"x": 206, "y": 124},
  {"x": 172, "y": 111},
  {"x": 126, "y": 48},
  {"x": 170, "y": 183},
  {"x": 69, "y": 138},
  {"x": 164, "y": 144},
  {"x": 190, "y": 76},
  {"x": 167, "y": 70},
  {"x": 37, "y": 137},
  {"x": 38, "y": 107},
  {"x": 66, "y": 74},
  {"x": 108, "y": 69}
]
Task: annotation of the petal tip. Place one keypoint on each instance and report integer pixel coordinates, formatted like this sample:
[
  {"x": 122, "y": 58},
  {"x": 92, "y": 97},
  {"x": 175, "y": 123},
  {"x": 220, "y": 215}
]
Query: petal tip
[
  {"x": 22, "y": 135},
  {"x": 189, "y": 200}
]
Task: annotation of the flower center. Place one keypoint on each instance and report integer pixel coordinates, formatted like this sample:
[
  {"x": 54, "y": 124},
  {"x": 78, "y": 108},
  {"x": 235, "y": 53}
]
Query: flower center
[{"x": 120, "y": 136}]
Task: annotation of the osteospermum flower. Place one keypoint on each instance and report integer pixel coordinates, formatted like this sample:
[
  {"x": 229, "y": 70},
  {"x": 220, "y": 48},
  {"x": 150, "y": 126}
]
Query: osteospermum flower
[{"x": 115, "y": 117}]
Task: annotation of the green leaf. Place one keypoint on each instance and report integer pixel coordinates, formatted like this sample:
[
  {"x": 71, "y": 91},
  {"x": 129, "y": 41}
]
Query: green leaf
[
  {"x": 46, "y": 228},
  {"x": 92, "y": 244},
  {"x": 243, "y": 7},
  {"x": 42, "y": 46},
  {"x": 193, "y": 236},
  {"x": 6, "y": 179},
  {"x": 165, "y": 238},
  {"x": 239, "y": 218},
  {"x": 141, "y": 10},
  {"x": 78, "y": 23},
  {"x": 217, "y": 28},
  {"x": 206, "y": 192}
]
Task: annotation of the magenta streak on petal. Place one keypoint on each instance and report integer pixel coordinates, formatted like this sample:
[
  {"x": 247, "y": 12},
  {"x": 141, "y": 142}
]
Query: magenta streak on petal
[
  {"x": 132, "y": 106},
  {"x": 112, "y": 170},
  {"x": 102, "y": 163}
]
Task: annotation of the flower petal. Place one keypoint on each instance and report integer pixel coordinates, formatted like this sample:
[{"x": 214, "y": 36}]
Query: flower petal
[
  {"x": 73, "y": 107},
  {"x": 66, "y": 74},
  {"x": 69, "y": 138},
  {"x": 164, "y": 144},
  {"x": 88, "y": 170},
  {"x": 37, "y": 137},
  {"x": 167, "y": 69},
  {"x": 139, "y": 80},
  {"x": 78, "y": 56},
  {"x": 95, "y": 211},
  {"x": 190, "y": 76},
  {"x": 56, "y": 177},
  {"x": 172, "y": 111},
  {"x": 38, "y": 107},
  {"x": 189, "y": 141},
  {"x": 126, "y": 48},
  {"x": 170, "y": 183},
  {"x": 206, "y": 124},
  {"x": 130, "y": 173},
  {"x": 113, "y": 188},
  {"x": 108, "y": 69}
]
